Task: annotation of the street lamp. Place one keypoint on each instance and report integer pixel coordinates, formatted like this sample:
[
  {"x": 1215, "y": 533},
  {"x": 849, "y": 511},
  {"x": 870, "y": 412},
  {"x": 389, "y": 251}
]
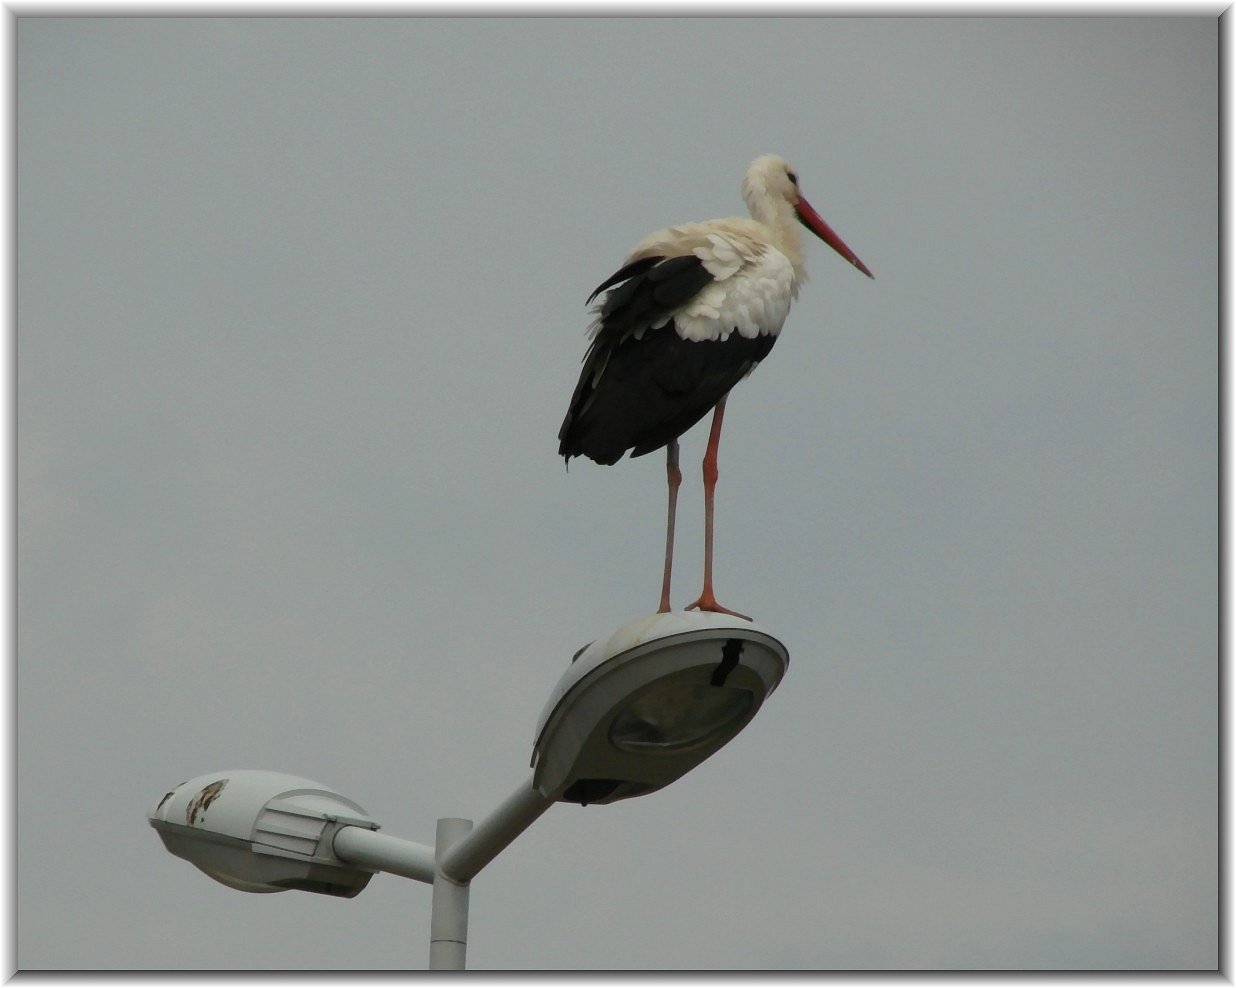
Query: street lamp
[
  {"x": 639, "y": 709},
  {"x": 262, "y": 832},
  {"x": 632, "y": 713}
]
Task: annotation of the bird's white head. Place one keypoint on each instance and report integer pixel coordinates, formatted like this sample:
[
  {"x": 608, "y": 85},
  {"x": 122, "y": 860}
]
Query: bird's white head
[
  {"x": 771, "y": 191},
  {"x": 769, "y": 179}
]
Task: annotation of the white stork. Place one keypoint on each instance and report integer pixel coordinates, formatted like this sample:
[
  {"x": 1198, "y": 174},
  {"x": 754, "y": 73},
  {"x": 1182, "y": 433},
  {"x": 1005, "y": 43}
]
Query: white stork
[{"x": 691, "y": 312}]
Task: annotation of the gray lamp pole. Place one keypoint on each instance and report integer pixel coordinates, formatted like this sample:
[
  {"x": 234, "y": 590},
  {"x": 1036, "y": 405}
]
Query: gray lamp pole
[
  {"x": 448, "y": 921},
  {"x": 458, "y": 854}
]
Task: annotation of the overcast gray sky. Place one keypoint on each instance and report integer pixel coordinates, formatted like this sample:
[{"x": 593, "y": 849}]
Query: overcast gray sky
[{"x": 300, "y": 307}]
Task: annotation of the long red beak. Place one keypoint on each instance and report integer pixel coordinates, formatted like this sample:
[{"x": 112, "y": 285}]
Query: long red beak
[{"x": 814, "y": 222}]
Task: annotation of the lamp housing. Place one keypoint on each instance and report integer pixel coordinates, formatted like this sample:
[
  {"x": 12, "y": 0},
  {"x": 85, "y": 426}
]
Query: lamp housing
[
  {"x": 262, "y": 831},
  {"x": 639, "y": 709}
]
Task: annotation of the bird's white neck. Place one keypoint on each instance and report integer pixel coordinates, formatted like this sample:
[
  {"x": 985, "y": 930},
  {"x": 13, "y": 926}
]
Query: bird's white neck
[{"x": 778, "y": 215}]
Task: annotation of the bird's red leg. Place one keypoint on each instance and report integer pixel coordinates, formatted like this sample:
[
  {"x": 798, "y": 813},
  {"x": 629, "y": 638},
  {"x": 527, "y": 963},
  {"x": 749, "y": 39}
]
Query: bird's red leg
[
  {"x": 673, "y": 477},
  {"x": 707, "y": 600}
]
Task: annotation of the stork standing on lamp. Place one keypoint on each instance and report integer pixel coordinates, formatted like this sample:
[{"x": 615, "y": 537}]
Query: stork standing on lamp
[{"x": 691, "y": 312}]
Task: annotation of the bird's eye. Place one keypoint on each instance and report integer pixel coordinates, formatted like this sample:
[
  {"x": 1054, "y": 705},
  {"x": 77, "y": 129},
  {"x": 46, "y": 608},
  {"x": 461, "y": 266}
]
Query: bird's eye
[{"x": 792, "y": 177}]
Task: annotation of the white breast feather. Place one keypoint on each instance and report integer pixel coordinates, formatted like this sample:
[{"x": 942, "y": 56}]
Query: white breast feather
[
  {"x": 751, "y": 295},
  {"x": 752, "y": 288}
]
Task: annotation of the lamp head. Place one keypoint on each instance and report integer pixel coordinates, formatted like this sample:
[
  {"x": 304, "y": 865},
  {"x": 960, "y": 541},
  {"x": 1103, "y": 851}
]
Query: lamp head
[
  {"x": 641, "y": 708},
  {"x": 262, "y": 832}
]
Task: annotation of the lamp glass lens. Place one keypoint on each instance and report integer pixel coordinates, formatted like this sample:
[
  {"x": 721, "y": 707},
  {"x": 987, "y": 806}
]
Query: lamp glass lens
[{"x": 673, "y": 717}]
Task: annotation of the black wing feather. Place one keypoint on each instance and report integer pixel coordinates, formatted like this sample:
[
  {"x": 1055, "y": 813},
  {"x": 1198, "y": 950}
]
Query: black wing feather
[
  {"x": 641, "y": 388},
  {"x": 622, "y": 274}
]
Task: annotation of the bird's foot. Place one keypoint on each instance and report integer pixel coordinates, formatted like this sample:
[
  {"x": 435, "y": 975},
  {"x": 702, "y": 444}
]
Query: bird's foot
[{"x": 707, "y": 602}]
